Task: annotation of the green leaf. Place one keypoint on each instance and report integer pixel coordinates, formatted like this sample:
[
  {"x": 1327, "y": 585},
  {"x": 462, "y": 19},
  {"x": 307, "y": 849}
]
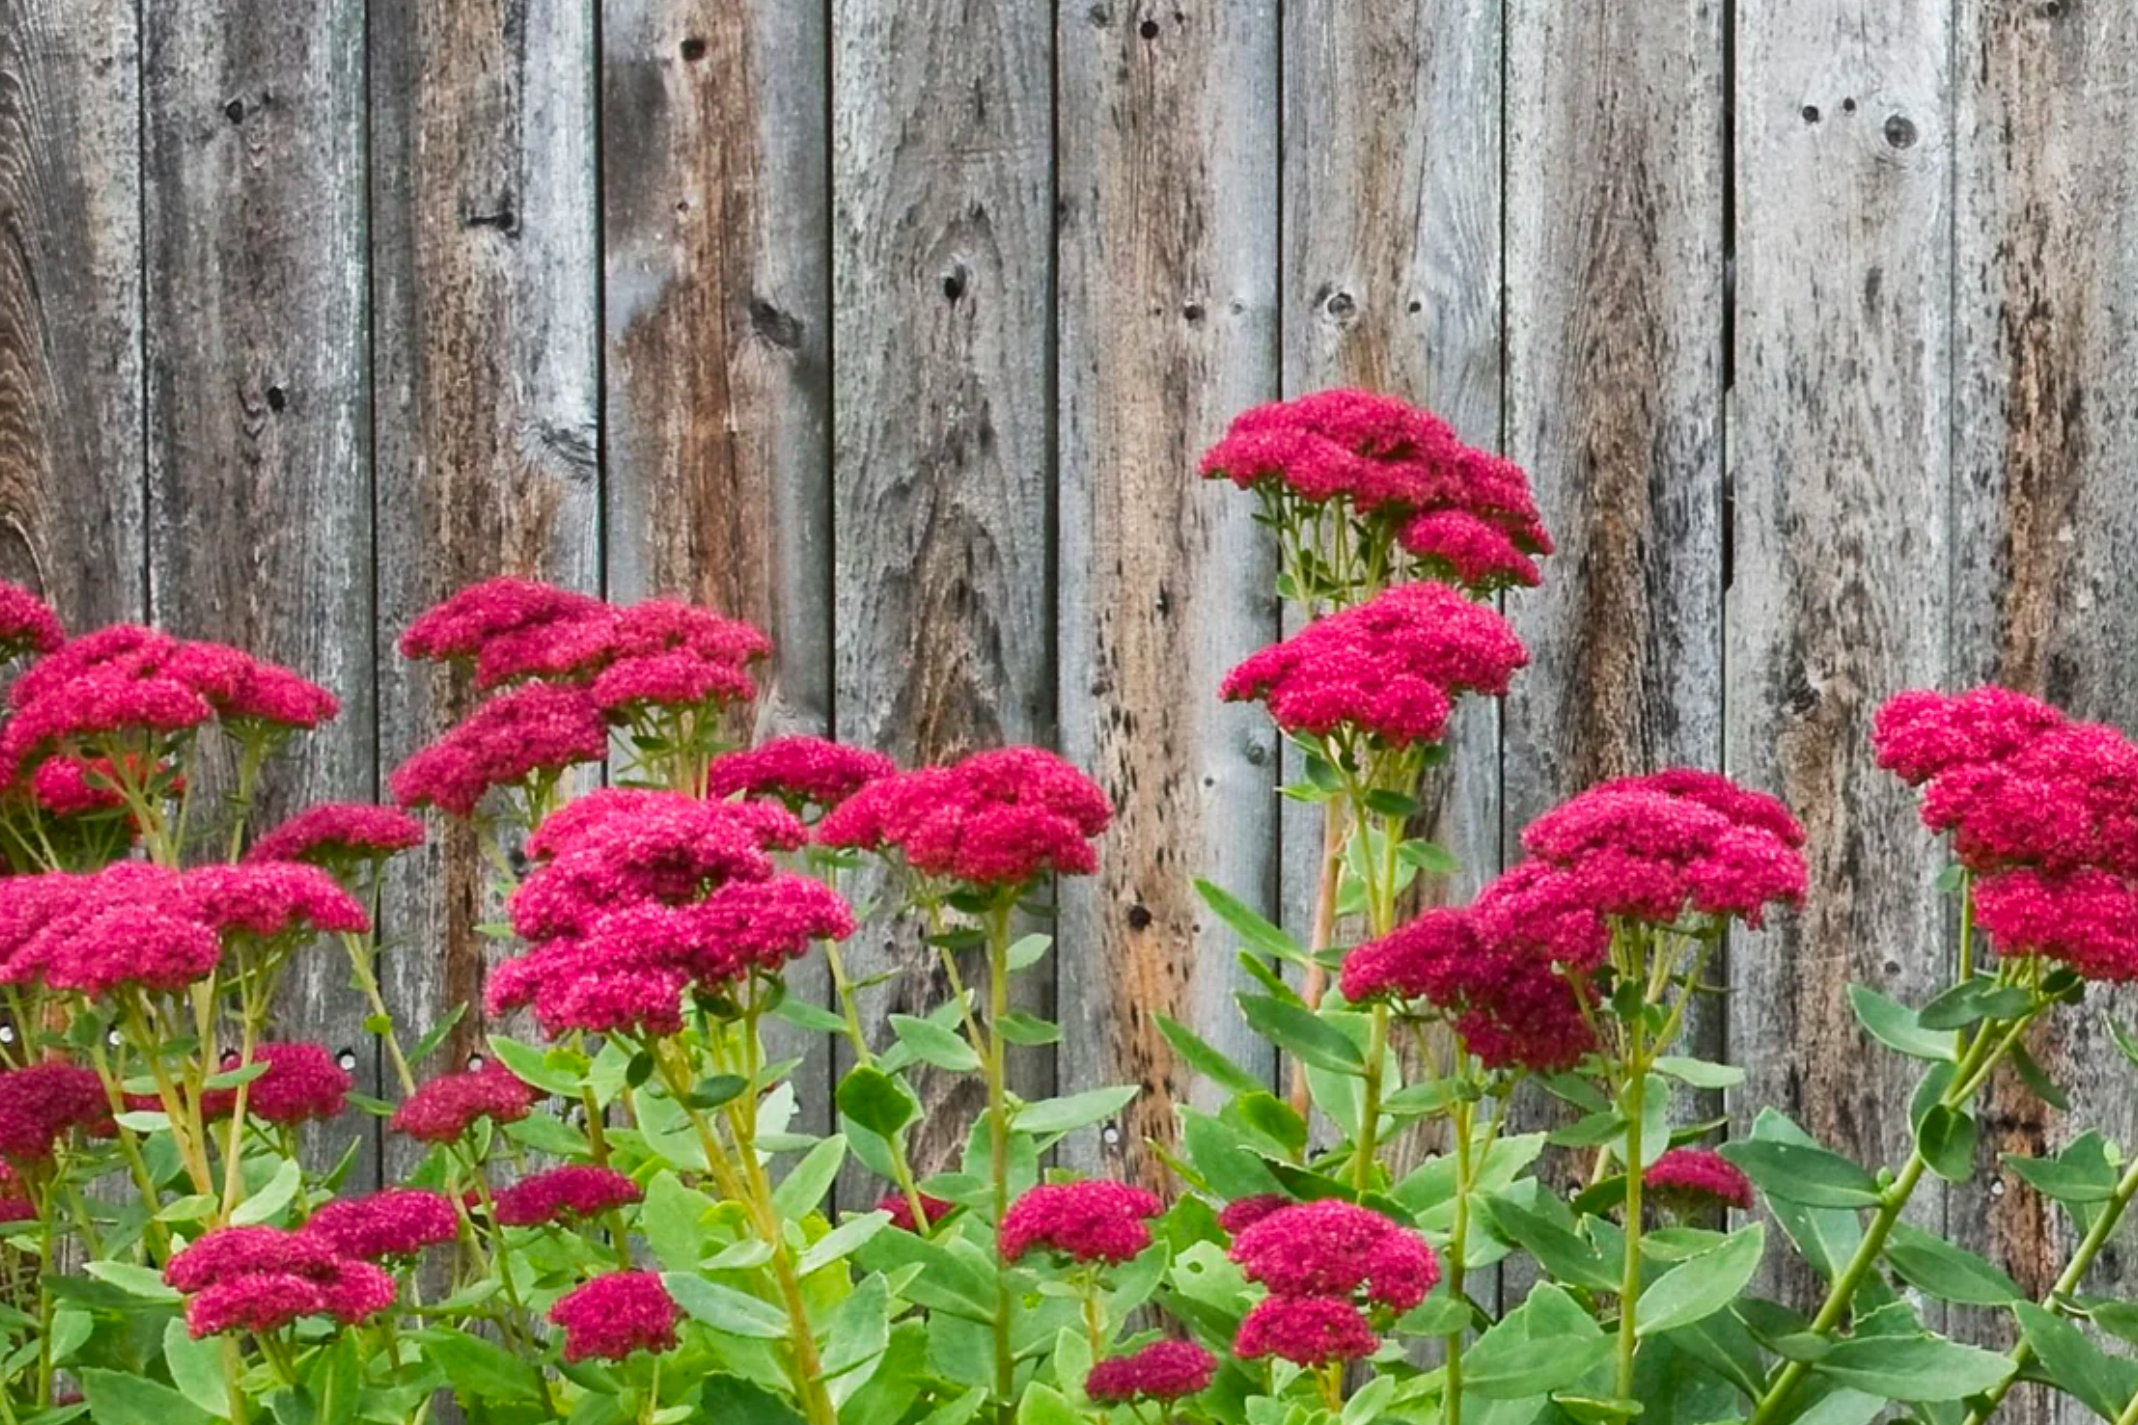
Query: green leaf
[
  {"x": 196, "y": 1367},
  {"x": 144, "y": 1282},
  {"x": 1825, "y": 1237},
  {"x": 2077, "y": 1367},
  {"x": 1972, "y": 1001},
  {"x": 270, "y": 1200},
  {"x": 804, "y": 1015},
  {"x": 1803, "y": 1173},
  {"x": 1913, "y": 1367},
  {"x": 805, "y": 1185},
  {"x": 1254, "y": 931},
  {"x": 933, "y": 1044},
  {"x": 1946, "y": 1137},
  {"x": 1217, "y": 1152},
  {"x": 1207, "y": 1060},
  {"x": 1383, "y": 802},
  {"x": 724, "y": 1308},
  {"x": 2035, "y": 1077},
  {"x": 1699, "y": 1072},
  {"x": 2062, "y": 1178},
  {"x": 1700, "y": 1287},
  {"x": 1043, "y": 1405},
  {"x": 847, "y": 1237},
  {"x": 547, "y": 1133},
  {"x": 877, "y": 1101},
  {"x": 536, "y": 1066},
  {"x": 856, "y": 1335},
  {"x": 715, "y": 1090},
  {"x": 1028, "y": 1029},
  {"x": 477, "y": 1367},
  {"x": 435, "y": 1035},
  {"x": 672, "y": 1219},
  {"x": 1299, "y": 1031},
  {"x": 1562, "y": 1253},
  {"x": 1074, "y": 1111},
  {"x": 1936, "y": 1268},
  {"x": 124, "y": 1398},
  {"x": 1545, "y": 1344},
  {"x": 1028, "y": 950},
  {"x": 735, "y": 1401},
  {"x": 1896, "y": 1026},
  {"x": 1430, "y": 857}
]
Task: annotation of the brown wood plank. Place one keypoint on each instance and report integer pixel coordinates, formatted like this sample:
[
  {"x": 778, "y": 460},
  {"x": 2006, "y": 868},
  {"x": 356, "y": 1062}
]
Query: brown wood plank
[
  {"x": 941, "y": 247},
  {"x": 717, "y": 291},
  {"x": 2045, "y": 495},
  {"x": 1839, "y": 447},
  {"x": 1169, "y": 200},
  {"x": 259, "y": 458},
  {"x": 71, "y": 454},
  {"x": 486, "y": 274}
]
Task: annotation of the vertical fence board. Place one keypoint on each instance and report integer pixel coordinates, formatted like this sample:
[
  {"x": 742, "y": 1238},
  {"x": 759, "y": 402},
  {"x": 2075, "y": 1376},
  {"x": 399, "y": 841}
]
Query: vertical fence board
[
  {"x": 486, "y": 276},
  {"x": 941, "y": 177},
  {"x": 1169, "y": 264},
  {"x": 71, "y": 523},
  {"x": 2046, "y": 310},
  {"x": 1839, "y": 452},
  {"x": 717, "y": 315},
  {"x": 259, "y": 503}
]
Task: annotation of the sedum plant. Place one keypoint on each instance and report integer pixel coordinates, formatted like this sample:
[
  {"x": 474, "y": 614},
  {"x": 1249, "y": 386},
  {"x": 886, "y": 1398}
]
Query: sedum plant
[{"x": 608, "y": 1214}]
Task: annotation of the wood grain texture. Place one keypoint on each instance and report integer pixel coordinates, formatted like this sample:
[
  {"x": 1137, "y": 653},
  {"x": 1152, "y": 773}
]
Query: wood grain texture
[
  {"x": 486, "y": 273},
  {"x": 71, "y": 453},
  {"x": 1168, "y": 280},
  {"x": 2045, "y": 313},
  {"x": 941, "y": 175},
  {"x": 1839, "y": 448},
  {"x": 259, "y": 493},
  {"x": 717, "y": 297}
]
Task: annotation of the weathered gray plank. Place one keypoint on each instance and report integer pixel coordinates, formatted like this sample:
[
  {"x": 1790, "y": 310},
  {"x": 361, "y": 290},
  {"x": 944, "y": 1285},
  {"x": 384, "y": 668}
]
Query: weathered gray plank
[
  {"x": 71, "y": 455},
  {"x": 486, "y": 274},
  {"x": 259, "y": 499},
  {"x": 2045, "y": 509},
  {"x": 940, "y": 254},
  {"x": 1839, "y": 451},
  {"x": 1392, "y": 283},
  {"x": 717, "y": 295},
  {"x": 1168, "y": 278}
]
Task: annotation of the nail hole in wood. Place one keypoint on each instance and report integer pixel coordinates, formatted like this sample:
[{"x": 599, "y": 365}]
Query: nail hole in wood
[
  {"x": 277, "y": 398},
  {"x": 1900, "y": 131},
  {"x": 954, "y": 283},
  {"x": 235, "y": 111},
  {"x": 1341, "y": 306},
  {"x": 1848, "y": 106},
  {"x": 1139, "y": 918},
  {"x": 347, "y": 1059},
  {"x": 693, "y": 49},
  {"x": 475, "y": 1061},
  {"x": 1193, "y": 311},
  {"x": 1148, "y": 29},
  {"x": 1811, "y": 113},
  {"x": 1416, "y": 306}
]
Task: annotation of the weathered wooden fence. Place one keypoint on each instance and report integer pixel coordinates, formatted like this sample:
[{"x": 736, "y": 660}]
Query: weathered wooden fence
[{"x": 897, "y": 325}]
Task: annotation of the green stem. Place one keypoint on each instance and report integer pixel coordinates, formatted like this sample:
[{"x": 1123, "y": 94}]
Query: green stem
[
  {"x": 233, "y": 1369},
  {"x": 850, "y": 1011},
  {"x": 1629, "y": 1284},
  {"x": 1362, "y": 1156},
  {"x": 1458, "y": 1247},
  {"x": 361, "y": 951},
  {"x": 998, "y": 1138},
  {"x": 502, "y": 1261}
]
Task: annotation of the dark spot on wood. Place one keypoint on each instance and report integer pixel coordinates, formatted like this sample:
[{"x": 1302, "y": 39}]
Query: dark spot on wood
[
  {"x": 780, "y": 328},
  {"x": 235, "y": 111},
  {"x": 500, "y": 216},
  {"x": 693, "y": 49},
  {"x": 1873, "y": 284},
  {"x": 954, "y": 282},
  {"x": 1257, "y": 754},
  {"x": 1139, "y": 918},
  {"x": 1340, "y": 306},
  {"x": 1193, "y": 311},
  {"x": 1900, "y": 131},
  {"x": 2053, "y": 9},
  {"x": 1148, "y": 29},
  {"x": 1416, "y": 306},
  {"x": 1811, "y": 113},
  {"x": 1099, "y": 17},
  {"x": 277, "y": 398},
  {"x": 1848, "y": 106}
]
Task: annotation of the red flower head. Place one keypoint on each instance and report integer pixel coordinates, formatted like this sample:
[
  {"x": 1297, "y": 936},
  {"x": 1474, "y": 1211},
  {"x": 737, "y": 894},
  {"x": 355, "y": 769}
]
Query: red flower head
[
  {"x": 15, "y": 1202},
  {"x": 393, "y": 1223},
  {"x": 1243, "y": 1213},
  {"x": 231, "y": 1252},
  {"x": 504, "y": 742},
  {"x": 1332, "y": 1248},
  {"x": 575, "y": 1190},
  {"x": 26, "y": 625},
  {"x": 337, "y": 834},
  {"x": 242, "y": 688},
  {"x": 1307, "y": 1330},
  {"x": 1163, "y": 1370},
  {"x": 503, "y": 611},
  {"x": 612, "y": 1316},
  {"x": 1687, "y": 1179},
  {"x": 800, "y": 771},
  {"x": 999, "y": 818},
  {"x": 1091, "y": 1221},
  {"x": 39, "y": 1104},
  {"x": 1391, "y": 667},
  {"x": 445, "y": 1108},
  {"x": 1427, "y": 958},
  {"x": 1544, "y": 913},
  {"x": 1918, "y": 735},
  {"x": 902, "y": 1211},
  {"x": 302, "y": 1083},
  {"x": 272, "y": 899},
  {"x": 2066, "y": 799},
  {"x": 2086, "y": 918},
  {"x": 126, "y": 924}
]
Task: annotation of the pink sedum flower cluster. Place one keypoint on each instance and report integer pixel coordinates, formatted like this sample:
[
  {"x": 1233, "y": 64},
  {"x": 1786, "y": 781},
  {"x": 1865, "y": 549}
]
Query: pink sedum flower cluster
[
  {"x": 27, "y": 624},
  {"x": 41, "y": 1104},
  {"x": 444, "y": 1109},
  {"x": 798, "y": 771},
  {"x": 997, "y": 819},
  {"x": 261, "y": 1279},
  {"x": 338, "y": 833},
  {"x": 575, "y": 1190},
  {"x": 302, "y": 1084},
  {"x": 1466, "y": 514},
  {"x": 612, "y": 1316},
  {"x": 1094, "y": 1220},
  {"x": 1390, "y": 668},
  {"x": 392, "y": 1224},
  {"x": 901, "y": 1211},
  {"x": 1321, "y": 1261},
  {"x": 1163, "y": 1370},
  {"x": 504, "y": 742},
  {"x": 1689, "y": 1179},
  {"x": 642, "y": 895},
  {"x": 2042, "y": 810}
]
